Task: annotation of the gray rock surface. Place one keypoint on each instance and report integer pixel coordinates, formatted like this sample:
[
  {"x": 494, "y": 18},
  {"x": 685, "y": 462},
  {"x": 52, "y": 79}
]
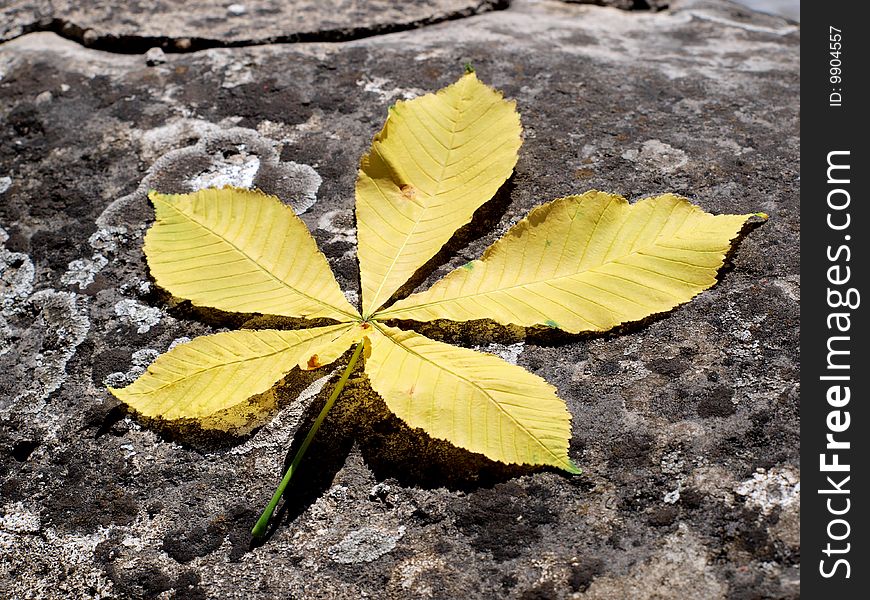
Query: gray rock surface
[
  {"x": 686, "y": 426},
  {"x": 136, "y": 25}
]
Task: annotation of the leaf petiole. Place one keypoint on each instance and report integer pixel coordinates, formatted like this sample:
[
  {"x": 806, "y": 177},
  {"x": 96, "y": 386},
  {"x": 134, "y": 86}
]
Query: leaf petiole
[{"x": 263, "y": 522}]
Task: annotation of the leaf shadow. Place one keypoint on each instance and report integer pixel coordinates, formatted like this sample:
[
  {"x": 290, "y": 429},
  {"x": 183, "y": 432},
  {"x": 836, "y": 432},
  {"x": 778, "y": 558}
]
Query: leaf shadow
[
  {"x": 324, "y": 458},
  {"x": 391, "y": 449},
  {"x": 394, "y": 450}
]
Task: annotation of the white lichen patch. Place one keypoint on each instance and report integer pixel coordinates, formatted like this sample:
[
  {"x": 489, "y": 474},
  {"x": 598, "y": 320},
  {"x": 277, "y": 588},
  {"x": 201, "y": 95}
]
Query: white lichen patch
[
  {"x": 57, "y": 328},
  {"x": 141, "y": 316},
  {"x": 154, "y": 142},
  {"x": 16, "y": 280},
  {"x": 17, "y": 519},
  {"x": 223, "y": 155},
  {"x": 671, "y": 497},
  {"x": 6, "y": 336},
  {"x": 351, "y": 296},
  {"x": 365, "y": 545},
  {"x": 46, "y": 329},
  {"x": 106, "y": 240},
  {"x": 52, "y": 565},
  {"x": 178, "y": 341},
  {"x": 380, "y": 86},
  {"x": 81, "y": 272},
  {"x": 140, "y": 360},
  {"x": 673, "y": 463},
  {"x": 766, "y": 490},
  {"x": 135, "y": 287},
  {"x": 304, "y": 181},
  {"x": 657, "y": 155},
  {"x": 237, "y": 170},
  {"x": 508, "y": 352},
  {"x": 340, "y": 223}
]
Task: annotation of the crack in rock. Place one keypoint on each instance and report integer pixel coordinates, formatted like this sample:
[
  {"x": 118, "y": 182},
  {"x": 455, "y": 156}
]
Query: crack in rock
[
  {"x": 202, "y": 24},
  {"x": 626, "y": 4}
]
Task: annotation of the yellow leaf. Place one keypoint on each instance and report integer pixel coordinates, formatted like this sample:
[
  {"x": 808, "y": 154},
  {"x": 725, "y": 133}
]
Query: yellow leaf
[
  {"x": 437, "y": 159},
  {"x": 215, "y": 372},
  {"x": 243, "y": 251},
  {"x": 475, "y": 401},
  {"x": 330, "y": 349},
  {"x": 585, "y": 263}
]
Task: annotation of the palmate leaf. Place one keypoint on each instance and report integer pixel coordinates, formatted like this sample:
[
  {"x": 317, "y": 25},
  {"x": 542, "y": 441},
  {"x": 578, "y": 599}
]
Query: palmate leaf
[
  {"x": 438, "y": 158},
  {"x": 215, "y": 372},
  {"x": 243, "y": 251},
  {"x": 581, "y": 263},
  {"x": 475, "y": 401},
  {"x": 585, "y": 263}
]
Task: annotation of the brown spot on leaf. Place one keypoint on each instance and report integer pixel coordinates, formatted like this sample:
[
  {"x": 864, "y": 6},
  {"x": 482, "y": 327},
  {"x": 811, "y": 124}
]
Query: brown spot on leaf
[
  {"x": 408, "y": 191},
  {"x": 314, "y": 362}
]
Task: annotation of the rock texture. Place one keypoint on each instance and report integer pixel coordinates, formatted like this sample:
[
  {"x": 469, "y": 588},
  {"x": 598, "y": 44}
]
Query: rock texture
[
  {"x": 686, "y": 426},
  {"x": 195, "y": 24}
]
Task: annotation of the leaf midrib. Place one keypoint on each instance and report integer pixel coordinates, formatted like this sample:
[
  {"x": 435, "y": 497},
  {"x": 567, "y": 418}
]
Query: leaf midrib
[
  {"x": 190, "y": 218},
  {"x": 522, "y": 427},
  {"x": 242, "y": 360},
  {"x": 376, "y": 296},
  {"x": 639, "y": 251}
]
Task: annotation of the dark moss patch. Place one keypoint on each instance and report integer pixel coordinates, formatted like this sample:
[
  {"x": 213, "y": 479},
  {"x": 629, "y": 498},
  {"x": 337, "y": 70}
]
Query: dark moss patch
[
  {"x": 584, "y": 572},
  {"x": 672, "y": 367},
  {"x": 22, "y": 450},
  {"x": 110, "y": 360},
  {"x": 184, "y": 544},
  {"x": 504, "y": 520},
  {"x": 631, "y": 450},
  {"x": 716, "y": 403},
  {"x": 88, "y": 508},
  {"x": 663, "y": 516}
]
